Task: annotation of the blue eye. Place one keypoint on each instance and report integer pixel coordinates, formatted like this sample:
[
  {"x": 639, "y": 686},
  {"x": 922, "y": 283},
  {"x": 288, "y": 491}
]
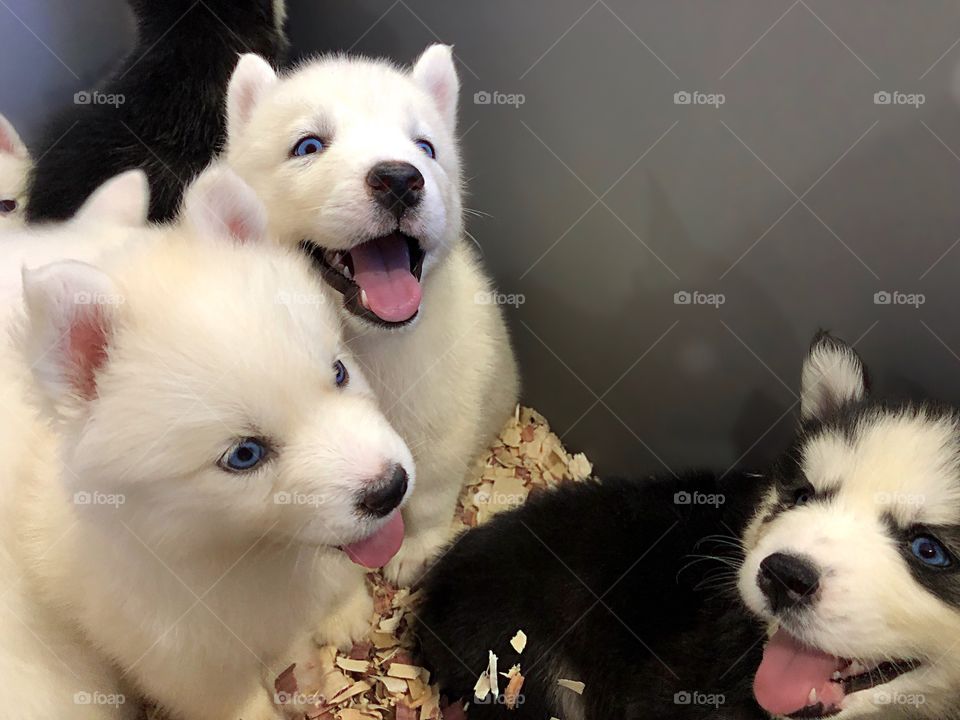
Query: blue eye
[
  {"x": 930, "y": 552},
  {"x": 309, "y": 145},
  {"x": 427, "y": 148},
  {"x": 245, "y": 455},
  {"x": 342, "y": 376}
]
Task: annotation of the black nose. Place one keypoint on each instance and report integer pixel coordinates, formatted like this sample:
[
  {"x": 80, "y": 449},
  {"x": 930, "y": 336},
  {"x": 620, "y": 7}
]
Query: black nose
[
  {"x": 788, "y": 581},
  {"x": 395, "y": 186},
  {"x": 387, "y": 492}
]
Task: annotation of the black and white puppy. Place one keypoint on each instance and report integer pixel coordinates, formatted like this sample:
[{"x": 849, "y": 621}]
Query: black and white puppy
[
  {"x": 828, "y": 587},
  {"x": 163, "y": 108}
]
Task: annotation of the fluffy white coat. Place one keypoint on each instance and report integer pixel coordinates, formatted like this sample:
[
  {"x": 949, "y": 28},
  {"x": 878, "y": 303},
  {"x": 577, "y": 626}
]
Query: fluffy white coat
[
  {"x": 131, "y": 559},
  {"x": 448, "y": 381}
]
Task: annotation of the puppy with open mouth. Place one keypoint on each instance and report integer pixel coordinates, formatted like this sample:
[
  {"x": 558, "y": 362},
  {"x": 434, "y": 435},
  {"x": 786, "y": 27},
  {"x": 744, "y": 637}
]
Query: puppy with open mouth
[
  {"x": 358, "y": 163},
  {"x": 828, "y": 587},
  {"x": 196, "y": 466}
]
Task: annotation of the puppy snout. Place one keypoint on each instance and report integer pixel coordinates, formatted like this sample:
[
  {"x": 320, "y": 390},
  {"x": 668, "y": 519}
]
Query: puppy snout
[
  {"x": 788, "y": 581},
  {"x": 396, "y": 186},
  {"x": 386, "y": 493}
]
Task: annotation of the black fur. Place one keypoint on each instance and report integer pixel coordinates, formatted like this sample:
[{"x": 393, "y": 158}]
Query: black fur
[
  {"x": 654, "y": 632},
  {"x": 172, "y": 120}
]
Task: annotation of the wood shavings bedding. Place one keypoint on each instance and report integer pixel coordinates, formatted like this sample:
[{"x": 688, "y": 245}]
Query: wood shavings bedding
[{"x": 378, "y": 679}]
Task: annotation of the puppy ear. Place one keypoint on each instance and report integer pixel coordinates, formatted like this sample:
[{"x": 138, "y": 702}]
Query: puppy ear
[
  {"x": 832, "y": 377},
  {"x": 10, "y": 142},
  {"x": 252, "y": 76},
  {"x": 219, "y": 204},
  {"x": 121, "y": 200},
  {"x": 435, "y": 72},
  {"x": 71, "y": 309}
]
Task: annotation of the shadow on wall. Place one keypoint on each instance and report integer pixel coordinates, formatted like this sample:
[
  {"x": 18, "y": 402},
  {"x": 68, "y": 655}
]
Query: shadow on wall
[
  {"x": 670, "y": 365},
  {"x": 53, "y": 49}
]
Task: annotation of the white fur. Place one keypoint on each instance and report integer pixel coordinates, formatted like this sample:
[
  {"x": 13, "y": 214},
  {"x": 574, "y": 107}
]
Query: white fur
[
  {"x": 15, "y": 166},
  {"x": 103, "y": 222},
  {"x": 128, "y": 557},
  {"x": 898, "y": 463},
  {"x": 448, "y": 381},
  {"x": 831, "y": 375}
]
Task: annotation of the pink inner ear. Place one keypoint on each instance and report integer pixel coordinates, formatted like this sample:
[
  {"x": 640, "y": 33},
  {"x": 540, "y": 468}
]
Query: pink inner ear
[
  {"x": 6, "y": 142},
  {"x": 87, "y": 351},
  {"x": 239, "y": 229}
]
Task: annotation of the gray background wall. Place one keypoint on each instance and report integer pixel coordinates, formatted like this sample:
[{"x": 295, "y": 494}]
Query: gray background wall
[{"x": 797, "y": 199}]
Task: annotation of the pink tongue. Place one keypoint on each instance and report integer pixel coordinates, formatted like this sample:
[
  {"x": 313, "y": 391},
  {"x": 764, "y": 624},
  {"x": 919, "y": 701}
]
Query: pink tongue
[
  {"x": 789, "y": 671},
  {"x": 377, "y": 550},
  {"x": 381, "y": 268}
]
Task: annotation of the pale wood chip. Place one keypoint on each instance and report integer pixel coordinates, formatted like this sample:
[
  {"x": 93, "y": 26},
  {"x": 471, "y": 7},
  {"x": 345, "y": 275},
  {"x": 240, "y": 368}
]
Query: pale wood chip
[
  {"x": 401, "y": 670},
  {"x": 358, "y": 666},
  {"x": 575, "y": 685}
]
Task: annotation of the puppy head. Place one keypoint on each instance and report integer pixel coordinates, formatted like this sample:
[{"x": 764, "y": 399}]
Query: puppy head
[
  {"x": 358, "y": 161},
  {"x": 199, "y": 375},
  {"x": 853, "y": 558},
  {"x": 14, "y": 169}
]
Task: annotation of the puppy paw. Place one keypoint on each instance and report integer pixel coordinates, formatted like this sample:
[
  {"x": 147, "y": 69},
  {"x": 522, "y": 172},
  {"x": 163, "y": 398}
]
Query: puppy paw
[
  {"x": 416, "y": 556},
  {"x": 346, "y": 623}
]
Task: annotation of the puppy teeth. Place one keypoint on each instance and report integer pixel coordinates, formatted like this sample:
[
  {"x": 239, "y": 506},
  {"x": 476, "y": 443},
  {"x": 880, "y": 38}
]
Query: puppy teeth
[
  {"x": 363, "y": 299},
  {"x": 836, "y": 675},
  {"x": 812, "y": 698}
]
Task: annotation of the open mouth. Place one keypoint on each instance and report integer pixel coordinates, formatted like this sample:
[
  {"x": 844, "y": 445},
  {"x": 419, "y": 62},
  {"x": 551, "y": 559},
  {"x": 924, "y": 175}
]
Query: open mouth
[
  {"x": 379, "y": 279},
  {"x": 798, "y": 681},
  {"x": 379, "y": 548}
]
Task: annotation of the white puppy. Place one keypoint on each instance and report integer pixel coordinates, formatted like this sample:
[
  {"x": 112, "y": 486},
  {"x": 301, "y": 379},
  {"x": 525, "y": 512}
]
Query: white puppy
[
  {"x": 358, "y": 162},
  {"x": 14, "y": 168},
  {"x": 192, "y": 454}
]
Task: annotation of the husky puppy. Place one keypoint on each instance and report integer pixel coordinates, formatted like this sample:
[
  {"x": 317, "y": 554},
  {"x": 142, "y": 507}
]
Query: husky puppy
[
  {"x": 358, "y": 162},
  {"x": 827, "y": 587},
  {"x": 14, "y": 167},
  {"x": 184, "y": 483},
  {"x": 162, "y": 108}
]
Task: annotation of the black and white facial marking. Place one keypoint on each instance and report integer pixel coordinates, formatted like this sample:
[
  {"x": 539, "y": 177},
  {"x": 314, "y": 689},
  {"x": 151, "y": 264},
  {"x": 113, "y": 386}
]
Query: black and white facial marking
[{"x": 853, "y": 555}]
